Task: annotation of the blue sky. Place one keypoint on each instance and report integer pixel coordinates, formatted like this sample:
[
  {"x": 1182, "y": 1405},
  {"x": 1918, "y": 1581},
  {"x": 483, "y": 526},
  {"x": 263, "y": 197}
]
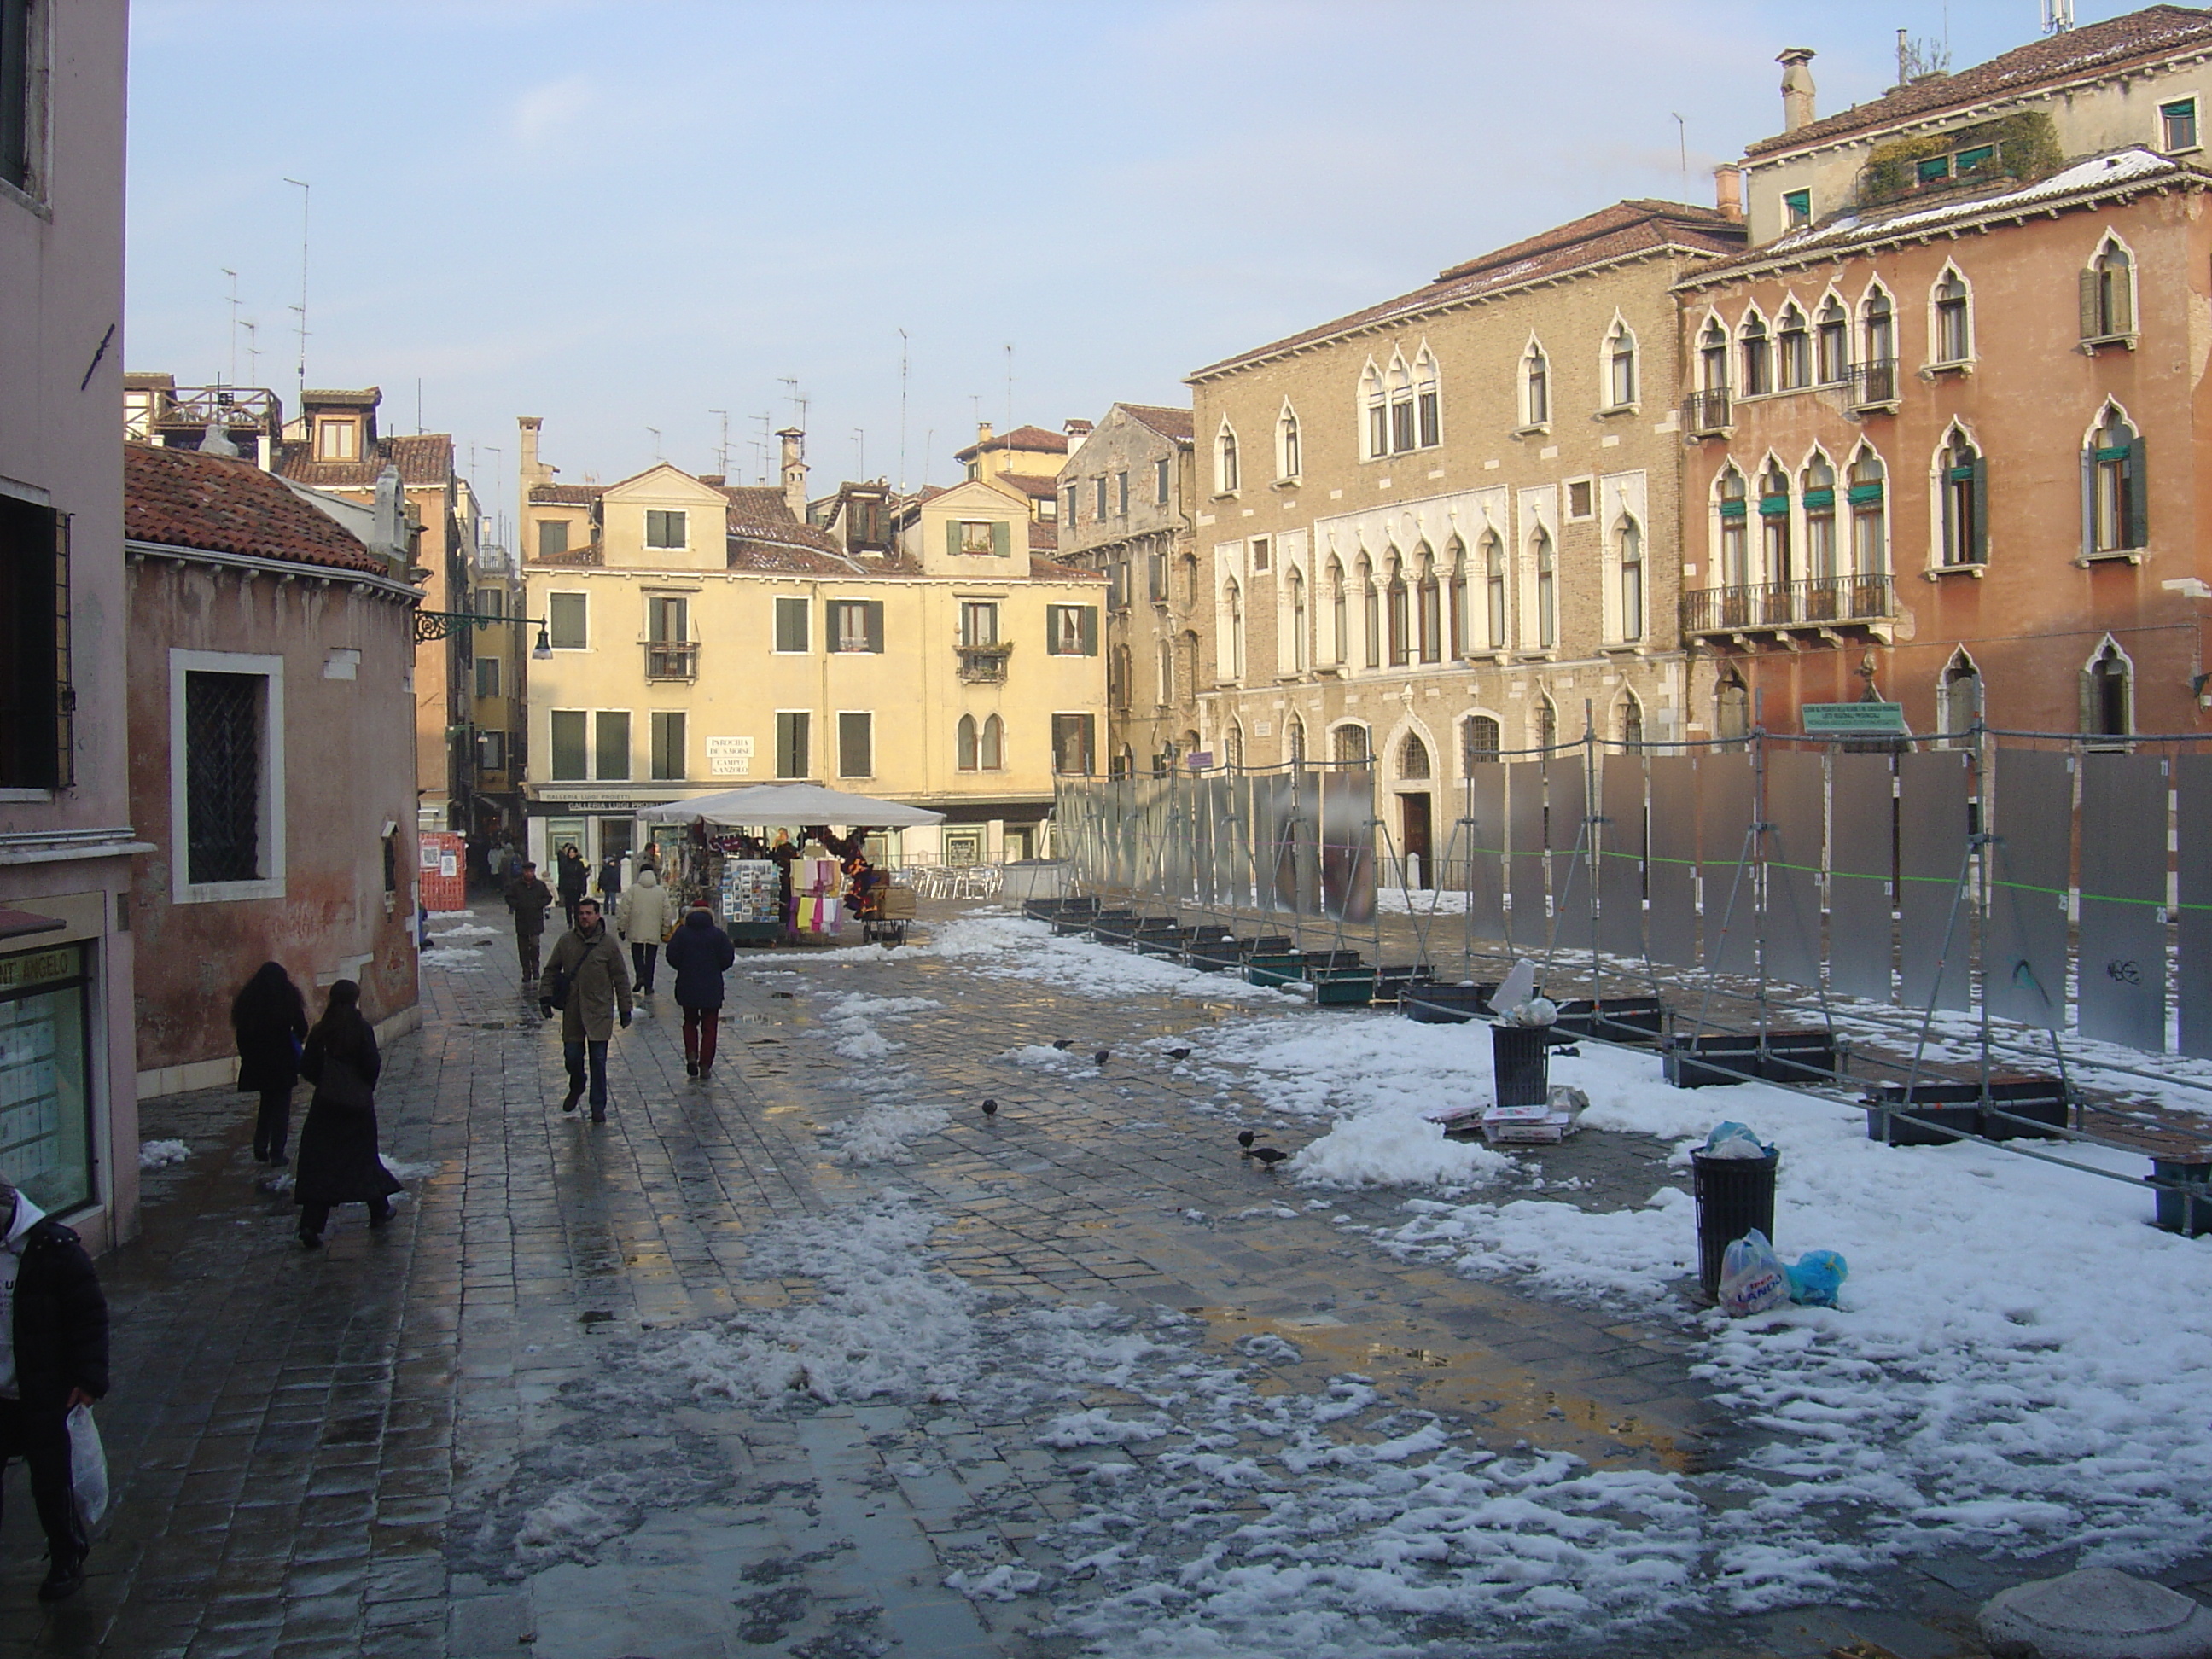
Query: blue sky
[{"x": 623, "y": 217}]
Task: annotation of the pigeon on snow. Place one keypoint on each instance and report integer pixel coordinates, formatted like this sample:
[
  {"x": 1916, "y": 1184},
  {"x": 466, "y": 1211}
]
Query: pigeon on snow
[
  {"x": 1268, "y": 1156},
  {"x": 1178, "y": 1054},
  {"x": 1245, "y": 1138},
  {"x": 1103, "y": 1055}
]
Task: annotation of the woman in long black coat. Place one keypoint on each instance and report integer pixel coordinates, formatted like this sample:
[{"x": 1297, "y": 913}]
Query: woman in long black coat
[
  {"x": 338, "y": 1162},
  {"x": 270, "y": 1018}
]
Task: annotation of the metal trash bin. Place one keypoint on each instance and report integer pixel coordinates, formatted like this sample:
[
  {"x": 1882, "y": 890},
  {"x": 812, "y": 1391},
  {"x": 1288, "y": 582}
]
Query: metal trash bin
[
  {"x": 1520, "y": 1063},
  {"x": 1734, "y": 1194}
]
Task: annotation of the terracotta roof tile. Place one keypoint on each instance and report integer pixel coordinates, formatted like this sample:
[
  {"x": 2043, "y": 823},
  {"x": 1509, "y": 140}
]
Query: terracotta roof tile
[
  {"x": 423, "y": 459},
  {"x": 1619, "y": 232},
  {"x": 553, "y": 495},
  {"x": 760, "y": 506},
  {"x": 1173, "y": 424},
  {"x": 1053, "y": 570},
  {"x": 1034, "y": 487},
  {"x": 368, "y": 394},
  {"x": 181, "y": 498},
  {"x": 1044, "y": 536},
  {"x": 1020, "y": 437},
  {"x": 2077, "y": 54}
]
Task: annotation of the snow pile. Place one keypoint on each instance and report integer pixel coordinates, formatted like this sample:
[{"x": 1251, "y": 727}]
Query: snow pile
[
  {"x": 883, "y": 1327},
  {"x": 1017, "y": 948},
  {"x": 1040, "y": 1056},
  {"x": 2018, "y": 1364},
  {"x": 1348, "y": 1065},
  {"x": 466, "y": 930},
  {"x": 464, "y": 959},
  {"x": 881, "y": 1134},
  {"x": 1003, "y": 1582},
  {"x": 154, "y": 1154},
  {"x": 850, "y": 1020},
  {"x": 1393, "y": 1148}
]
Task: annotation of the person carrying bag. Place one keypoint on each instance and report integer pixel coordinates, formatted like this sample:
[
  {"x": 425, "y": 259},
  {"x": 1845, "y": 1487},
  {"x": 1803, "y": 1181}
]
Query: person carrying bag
[{"x": 338, "y": 1162}]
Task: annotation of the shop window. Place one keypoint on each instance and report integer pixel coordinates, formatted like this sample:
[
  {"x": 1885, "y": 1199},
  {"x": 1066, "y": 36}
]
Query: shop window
[{"x": 45, "y": 1069}]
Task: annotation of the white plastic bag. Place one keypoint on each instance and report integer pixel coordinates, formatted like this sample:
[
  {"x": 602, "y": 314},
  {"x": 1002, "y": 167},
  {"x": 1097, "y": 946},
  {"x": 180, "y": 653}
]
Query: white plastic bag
[
  {"x": 1752, "y": 1278},
  {"x": 88, "y": 1466},
  {"x": 1732, "y": 1139}
]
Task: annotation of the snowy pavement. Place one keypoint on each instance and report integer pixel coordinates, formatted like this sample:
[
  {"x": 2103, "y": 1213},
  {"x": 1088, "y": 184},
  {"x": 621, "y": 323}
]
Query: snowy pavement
[{"x": 822, "y": 1360}]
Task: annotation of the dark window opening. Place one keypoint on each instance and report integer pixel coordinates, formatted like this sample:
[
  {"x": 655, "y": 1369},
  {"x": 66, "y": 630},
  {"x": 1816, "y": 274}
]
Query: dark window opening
[{"x": 223, "y": 720}]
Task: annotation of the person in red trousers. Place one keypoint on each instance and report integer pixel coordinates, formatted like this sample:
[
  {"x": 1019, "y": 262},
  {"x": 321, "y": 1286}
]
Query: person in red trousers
[{"x": 699, "y": 953}]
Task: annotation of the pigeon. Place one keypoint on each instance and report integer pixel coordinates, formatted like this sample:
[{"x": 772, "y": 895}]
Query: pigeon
[
  {"x": 990, "y": 1108},
  {"x": 1268, "y": 1155},
  {"x": 1063, "y": 1043},
  {"x": 1178, "y": 1054},
  {"x": 1103, "y": 1055},
  {"x": 1245, "y": 1138},
  {"x": 785, "y": 996}
]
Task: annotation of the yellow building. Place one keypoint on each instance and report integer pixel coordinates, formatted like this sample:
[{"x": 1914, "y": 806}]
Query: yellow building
[{"x": 703, "y": 637}]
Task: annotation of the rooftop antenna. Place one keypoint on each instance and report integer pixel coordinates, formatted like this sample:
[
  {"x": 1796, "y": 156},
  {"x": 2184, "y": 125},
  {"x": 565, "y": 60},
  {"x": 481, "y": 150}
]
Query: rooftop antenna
[
  {"x": 1010, "y": 388},
  {"x": 797, "y": 404},
  {"x": 1682, "y": 142},
  {"x": 253, "y": 351},
  {"x": 2057, "y": 16},
  {"x": 761, "y": 444},
  {"x": 307, "y": 196},
  {"x": 928, "y": 445},
  {"x": 656, "y": 442},
  {"x": 233, "y": 275},
  {"x": 860, "y": 454},
  {"x": 902, "y": 471},
  {"x": 418, "y": 406},
  {"x": 722, "y": 449}
]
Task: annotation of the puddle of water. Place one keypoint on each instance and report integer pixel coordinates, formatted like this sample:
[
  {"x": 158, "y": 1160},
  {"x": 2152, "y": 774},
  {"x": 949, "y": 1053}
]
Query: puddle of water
[{"x": 1468, "y": 1380}]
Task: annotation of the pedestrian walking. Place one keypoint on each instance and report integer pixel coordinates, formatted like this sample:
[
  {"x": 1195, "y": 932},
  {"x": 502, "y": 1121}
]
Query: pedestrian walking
[
  {"x": 529, "y": 899},
  {"x": 783, "y": 855},
  {"x": 610, "y": 878},
  {"x": 699, "y": 954},
  {"x": 587, "y": 979},
  {"x": 269, "y": 1017},
  {"x": 573, "y": 877},
  {"x": 338, "y": 1162},
  {"x": 53, "y": 1358},
  {"x": 642, "y": 918}
]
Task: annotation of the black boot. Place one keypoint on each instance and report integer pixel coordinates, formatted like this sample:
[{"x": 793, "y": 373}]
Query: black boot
[{"x": 64, "y": 1578}]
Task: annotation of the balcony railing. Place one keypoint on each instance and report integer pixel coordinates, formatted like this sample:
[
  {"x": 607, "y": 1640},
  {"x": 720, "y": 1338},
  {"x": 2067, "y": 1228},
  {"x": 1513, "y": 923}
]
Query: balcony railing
[
  {"x": 1705, "y": 412},
  {"x": 984, "y": 662},
  {"x": 1770, "y": 607},
  {"x": 1874, "y": 385},
  {"x": 669, "y": 660}
]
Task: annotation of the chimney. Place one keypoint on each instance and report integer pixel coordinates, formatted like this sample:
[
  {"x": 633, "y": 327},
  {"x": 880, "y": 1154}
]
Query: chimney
[
  {"x": 794, "y": 472},
  {"x": 530, "y": 468},
  {"x": 1077, "y": 431},
  {"x": 1796, "y": 88},
  {"x": 1728, "y": 192}
]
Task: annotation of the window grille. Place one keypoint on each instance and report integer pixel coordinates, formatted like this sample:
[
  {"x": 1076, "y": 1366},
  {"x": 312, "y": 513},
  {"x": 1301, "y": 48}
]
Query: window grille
[{"x": 222, "y": 775}]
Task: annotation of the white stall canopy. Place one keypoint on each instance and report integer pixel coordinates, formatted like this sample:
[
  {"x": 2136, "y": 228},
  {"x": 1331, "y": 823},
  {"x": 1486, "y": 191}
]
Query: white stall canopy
[{"x": 788, "y": 806}]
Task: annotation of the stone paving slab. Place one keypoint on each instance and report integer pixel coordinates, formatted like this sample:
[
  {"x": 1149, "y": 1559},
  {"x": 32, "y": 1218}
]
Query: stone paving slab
[{"x": 343, "y": 1452}]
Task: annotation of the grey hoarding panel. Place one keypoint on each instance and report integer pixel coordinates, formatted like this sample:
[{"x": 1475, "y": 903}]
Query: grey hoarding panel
[
  {"x": 2024, "y": 951},
  {"x": 1726, "y": 790},
  {"x": 1620, "y": 871},
  {"x": 1861, "y": 842},
  {"x": 1483, "y": 800},
  {"x": 1931, "y": 846},
  {"x": 1793, "y": 786},
  {"x": 1530, "y": 927},
  {"x": 1347, "y": 853},
  {"x": 1305, "y": 833},
  {"x": 1674, "y": 861},
  {"x": 1567, "y": 828},
  {"x": 2192, "y": 823},
  {"x": 1232, "y": 812},
  {"x": 2122, "y": 939}
]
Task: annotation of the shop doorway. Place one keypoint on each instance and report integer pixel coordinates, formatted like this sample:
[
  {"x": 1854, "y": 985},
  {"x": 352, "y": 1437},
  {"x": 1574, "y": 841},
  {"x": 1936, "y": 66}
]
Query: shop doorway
[{"x": 1413, "y": 841}]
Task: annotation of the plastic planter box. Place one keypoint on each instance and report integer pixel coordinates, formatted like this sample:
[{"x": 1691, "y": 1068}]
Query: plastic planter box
[
  {"x": 1942, "y": 1113},
  {"x": 1615, "y": 1019},
  {"x": 1342, "y": 987},
  {"x": 2183, "y": 1213},
  {"x": 1446, "y": 1004},
  {"x": 1274, "y": 970},
  {"x": 1714, "y": 1058}
]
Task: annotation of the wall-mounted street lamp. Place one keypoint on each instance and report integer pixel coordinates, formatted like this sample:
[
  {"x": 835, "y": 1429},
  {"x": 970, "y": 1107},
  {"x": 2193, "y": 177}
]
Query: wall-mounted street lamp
[{"x": 443, "y": 624}]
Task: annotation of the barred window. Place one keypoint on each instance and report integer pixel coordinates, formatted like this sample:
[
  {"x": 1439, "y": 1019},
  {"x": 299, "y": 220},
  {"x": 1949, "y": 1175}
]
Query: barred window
[{"x": 225, "y": 715}]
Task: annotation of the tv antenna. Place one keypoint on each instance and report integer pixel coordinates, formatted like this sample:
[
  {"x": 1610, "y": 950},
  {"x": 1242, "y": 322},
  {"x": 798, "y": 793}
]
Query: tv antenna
[
  {"x": 2057, "y": 16},
  {"x": 859, "y": 454},
  {"x": 233, "y": 275},
  {"x": 902, "y": 471},
  {"x": 656, "y": 442},
  {"x": 1010, "y": 386},
  {"x": 1682, "y": 143},
  {"x": 307, "y": 196},
  {"x": 722, "y": 449}
]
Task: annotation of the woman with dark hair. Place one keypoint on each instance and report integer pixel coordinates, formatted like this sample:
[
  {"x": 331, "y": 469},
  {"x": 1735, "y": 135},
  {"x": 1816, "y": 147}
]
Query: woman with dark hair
[
  {"x": 338, "y": 1162},
  {"x": 270, "y": 1018}
]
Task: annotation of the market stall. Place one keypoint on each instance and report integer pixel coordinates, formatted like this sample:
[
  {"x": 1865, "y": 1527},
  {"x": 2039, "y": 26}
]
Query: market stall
[{"x": 727, "y": 859}]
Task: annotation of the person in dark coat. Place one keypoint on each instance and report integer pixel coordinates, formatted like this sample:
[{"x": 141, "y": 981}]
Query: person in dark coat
[
  {"x": 611, "y": 882},
  {"x": 699, "y": 954},
  {"x": 270, "y": 1017},
  {"x": 783, "y": 855},
  {"x": 573, "y": 877},
  {"x": 530, "y": 899},
  {"x": 588, "y": 977},
  {"x": 338, "y": 1162},
  {"x": 53, "y": 1358}
]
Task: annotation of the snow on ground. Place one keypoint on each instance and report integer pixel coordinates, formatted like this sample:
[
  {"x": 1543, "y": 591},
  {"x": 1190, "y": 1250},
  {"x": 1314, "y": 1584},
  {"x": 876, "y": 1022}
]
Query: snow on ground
[
  {"x": 466, "y": 930},
  {"x": 1393, "y": 1148},
  {"x": 851, "y": 1022},
  {"x": 462, "y": 959},
  {"x": 153, "y": 1154},
  {"x": 1002, "y": 947},
  {"x": 881, "y": 1134}
]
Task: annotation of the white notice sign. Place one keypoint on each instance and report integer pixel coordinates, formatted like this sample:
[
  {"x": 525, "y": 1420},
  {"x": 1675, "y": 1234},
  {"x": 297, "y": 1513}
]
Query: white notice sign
[{"x": 729, "y": 758}]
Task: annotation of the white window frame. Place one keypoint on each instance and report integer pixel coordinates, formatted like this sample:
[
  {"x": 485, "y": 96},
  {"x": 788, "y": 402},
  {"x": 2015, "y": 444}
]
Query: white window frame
[
  {"x": 1532, "y": 419},
  {"x": 684, "y": 516},
  {"x": 1936, "y": 359},
  {"x": 1616, "y": 336},
  {"x": 271, "y": 817}
]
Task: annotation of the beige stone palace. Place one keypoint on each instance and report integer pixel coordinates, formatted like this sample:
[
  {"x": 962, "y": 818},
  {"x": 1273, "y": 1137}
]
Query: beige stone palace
[{"x": 1441, "y": 526}]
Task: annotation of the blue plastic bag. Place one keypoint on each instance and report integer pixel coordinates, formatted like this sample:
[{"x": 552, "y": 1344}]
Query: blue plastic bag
[
  {"x": 1732, "y": 1139},
  {"x": 1818, "y": 1275}
]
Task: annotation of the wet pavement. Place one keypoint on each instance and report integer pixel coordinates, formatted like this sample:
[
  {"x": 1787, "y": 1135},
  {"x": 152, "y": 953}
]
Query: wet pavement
[{"x": 527, "y": 1417}]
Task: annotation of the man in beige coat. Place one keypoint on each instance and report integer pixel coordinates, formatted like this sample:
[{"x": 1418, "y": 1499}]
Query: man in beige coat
[{"x": 587, "y": 979}]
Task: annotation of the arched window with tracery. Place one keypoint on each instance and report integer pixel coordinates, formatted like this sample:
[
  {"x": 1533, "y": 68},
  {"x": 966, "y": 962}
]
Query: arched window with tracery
[
  {"x": 1959, "y": 697},
  {"x": 1493, "y": 586},
  {"x": 1535, "y": 386},
  {"x": 1456, "y": 553},
  {"x": 1428, "y": 609},
  {"x": 1371, "y": 603},
  {"x": 1375, "y": 412},
  {"x": 1477, "y": 742},
  {"x": 1400, "y": 630},
  {"x": 2108, "y": 694},
  {"x": 1735, "y": 552},
  {"x": 1339, "y": 621},
  {"x": 1619, "y": 365},
  {"x": 1289, "y": 459},
  {"x": 1631, "y": 722},
  {"x": 1628, "y": 541},
  {"x": 1754, "y": 350},
  {"x": 1226, "y": 476},
  {"x": 1546, "y": 559},
  {"x": 2116, "y": 504},
  {"x": 1428, "y": 401},
  {"x": 1962, "y": 496},
  {"x": 1954, "y": 330},
  {"x": 1793, "y": 355},
  {"x": 966, "y": 738},
  {"x": 1413, "y": 758},
  {"x": 1297, "y": 583},
  {"x": 2108, "y": 294},
  {"x": 991, "y": 750},
  {"x": 1832, "y": 342}
]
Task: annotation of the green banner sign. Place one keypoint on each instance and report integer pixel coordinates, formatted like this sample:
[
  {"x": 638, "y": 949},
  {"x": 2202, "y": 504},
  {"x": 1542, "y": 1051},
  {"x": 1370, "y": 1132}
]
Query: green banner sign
[{"x": 1853, "y": 720}]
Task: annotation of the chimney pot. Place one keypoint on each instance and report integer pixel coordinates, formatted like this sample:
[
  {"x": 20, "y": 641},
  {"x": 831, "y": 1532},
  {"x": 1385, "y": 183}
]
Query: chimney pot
[
  {"x": 1797, "y": 88},
  {"x": 1728, "y": 192},
  {"x": 794, "y": 472}
]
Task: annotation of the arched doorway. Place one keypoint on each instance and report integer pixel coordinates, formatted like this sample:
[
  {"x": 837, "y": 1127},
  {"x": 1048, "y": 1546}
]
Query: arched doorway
[{"x": 1415, "y": 813}]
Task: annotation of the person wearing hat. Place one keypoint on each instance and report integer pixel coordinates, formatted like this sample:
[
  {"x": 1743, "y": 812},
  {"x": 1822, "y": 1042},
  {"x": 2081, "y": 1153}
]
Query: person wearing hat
[{"x": 53, "y": 1358}]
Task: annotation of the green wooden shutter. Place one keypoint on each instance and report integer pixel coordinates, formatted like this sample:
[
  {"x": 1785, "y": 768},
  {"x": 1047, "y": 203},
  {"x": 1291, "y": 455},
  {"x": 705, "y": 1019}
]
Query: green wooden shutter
[
  {"x": 1002, "y": 539},
  {"x": 2124, "y": 303},
  {"x": 1052, "y": 631},
  {"x": 952, "y": 536},
  {"x": 876, "y": 626},
  {"x": 1979, "y": 484},
  {"x": 2090, "y": 320},
  {"x": 1090, "y": 631},
  {"x": 2138, "y": 497}
]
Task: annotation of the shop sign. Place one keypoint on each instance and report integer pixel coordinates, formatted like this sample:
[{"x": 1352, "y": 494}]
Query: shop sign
[
  {"x": 36, "y": 968},
  {"x": 1853, "y": 720}
]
